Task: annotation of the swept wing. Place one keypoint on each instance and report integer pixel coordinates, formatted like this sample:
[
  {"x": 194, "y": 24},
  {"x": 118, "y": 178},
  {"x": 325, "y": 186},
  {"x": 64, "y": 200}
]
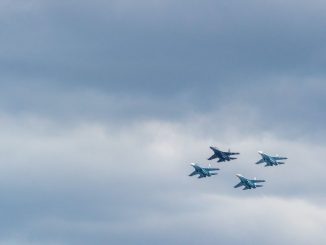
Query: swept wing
[
  {"x": 238, "y": 185},
  {"x": 260, "y": 161}
]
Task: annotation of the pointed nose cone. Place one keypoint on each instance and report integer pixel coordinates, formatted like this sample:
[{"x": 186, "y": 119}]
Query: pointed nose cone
[
  {"x": 193, "y": 164},
  {"x": 238, "y": 175},
  {"x": 260, "y": 152}
]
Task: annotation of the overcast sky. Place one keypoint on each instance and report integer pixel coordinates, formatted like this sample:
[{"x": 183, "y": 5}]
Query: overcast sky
[{"x": 104, "y": 104}]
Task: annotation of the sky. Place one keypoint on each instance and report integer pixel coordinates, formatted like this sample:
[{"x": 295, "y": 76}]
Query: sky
[{"x": 104, "y": 104}]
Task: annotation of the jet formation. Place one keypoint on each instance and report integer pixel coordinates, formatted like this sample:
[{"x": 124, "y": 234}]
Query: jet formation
[{"x": 226, "y": 156}]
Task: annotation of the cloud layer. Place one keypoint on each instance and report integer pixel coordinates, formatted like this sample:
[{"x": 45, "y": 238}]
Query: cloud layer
[
  {"x": 104, "y": 104},
  {"x": 96, "y": 183}
]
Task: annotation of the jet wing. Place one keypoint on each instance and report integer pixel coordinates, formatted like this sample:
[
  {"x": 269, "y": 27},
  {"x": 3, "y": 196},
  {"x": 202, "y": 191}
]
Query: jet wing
[
  {"x": 193, "y": 173},
  {"x": 260, "y": 161},
  {"x": 212, "y": 157},
  {"x": 238, "y": 185}
]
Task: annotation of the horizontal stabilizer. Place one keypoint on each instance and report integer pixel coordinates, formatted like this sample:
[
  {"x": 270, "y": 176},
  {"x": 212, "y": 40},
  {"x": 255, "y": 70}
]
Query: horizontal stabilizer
[
  {"x": 257, "y": 181},
  {"x": 233, "y": 153},
  {"x": 246, "y": 188},
  {"x": 280, "y": 158},
  {"x": 212, "y": 169}
]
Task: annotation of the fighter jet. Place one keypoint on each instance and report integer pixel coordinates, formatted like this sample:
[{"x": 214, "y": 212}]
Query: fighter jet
[
  {"x": 202, "y": 172},
  {"x": 248, "y": 183},
  {"x": 270, "y": 160},
  {"x": 221, "y": 155}
]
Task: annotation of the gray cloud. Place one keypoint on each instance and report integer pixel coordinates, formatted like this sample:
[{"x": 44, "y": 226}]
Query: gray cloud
[
  {"x": 165, "y": 47},
  {"x": 96, "y": 183},
  {"x": 142, "y": 60}
]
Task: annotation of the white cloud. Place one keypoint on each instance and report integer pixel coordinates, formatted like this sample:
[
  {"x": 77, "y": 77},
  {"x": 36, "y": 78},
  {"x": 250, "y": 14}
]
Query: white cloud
[{"x": 105, "y": 180}]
